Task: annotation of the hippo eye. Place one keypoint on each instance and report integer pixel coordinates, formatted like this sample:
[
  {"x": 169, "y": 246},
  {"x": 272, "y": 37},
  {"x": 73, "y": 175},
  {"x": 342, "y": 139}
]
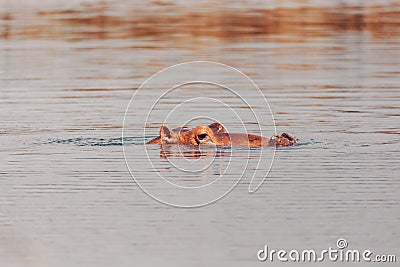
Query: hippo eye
[{"x": 202, "y": 136}]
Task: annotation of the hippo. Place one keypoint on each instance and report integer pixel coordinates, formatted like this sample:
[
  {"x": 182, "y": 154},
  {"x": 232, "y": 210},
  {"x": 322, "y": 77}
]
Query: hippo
[{"x": 215, "y": 134}]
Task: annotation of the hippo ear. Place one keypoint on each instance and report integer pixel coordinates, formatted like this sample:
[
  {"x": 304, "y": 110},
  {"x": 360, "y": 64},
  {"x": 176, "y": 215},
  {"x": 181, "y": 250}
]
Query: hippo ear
[
  {"x": 167, "y": 135},
  {"x": 217, "y": 127},
  {"x": 165, "y": 131}
]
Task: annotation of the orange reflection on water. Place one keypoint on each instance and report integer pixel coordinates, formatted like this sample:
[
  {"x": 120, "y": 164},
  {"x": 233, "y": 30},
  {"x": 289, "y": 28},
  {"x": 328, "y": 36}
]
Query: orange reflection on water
[{"x": 181, "y": 22}]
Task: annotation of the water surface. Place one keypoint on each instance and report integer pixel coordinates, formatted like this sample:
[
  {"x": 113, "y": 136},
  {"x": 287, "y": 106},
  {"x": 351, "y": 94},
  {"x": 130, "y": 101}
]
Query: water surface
[{"x": 66, "y": 77}]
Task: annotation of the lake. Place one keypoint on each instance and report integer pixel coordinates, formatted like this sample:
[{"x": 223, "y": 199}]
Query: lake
[{"x": 77, "y": 105}]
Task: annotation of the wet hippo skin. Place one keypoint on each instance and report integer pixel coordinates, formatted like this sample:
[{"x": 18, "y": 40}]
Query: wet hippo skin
[{"x": 215, "y": 134}]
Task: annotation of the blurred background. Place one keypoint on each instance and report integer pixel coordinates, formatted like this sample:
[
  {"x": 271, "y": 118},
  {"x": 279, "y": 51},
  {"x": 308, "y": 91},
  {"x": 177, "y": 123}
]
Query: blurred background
[{"x": 330, "y": 70}]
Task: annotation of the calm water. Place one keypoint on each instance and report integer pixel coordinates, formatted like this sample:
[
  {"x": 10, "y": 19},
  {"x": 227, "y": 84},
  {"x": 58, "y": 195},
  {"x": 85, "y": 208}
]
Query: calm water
[{"x": 332, "y": 79}]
